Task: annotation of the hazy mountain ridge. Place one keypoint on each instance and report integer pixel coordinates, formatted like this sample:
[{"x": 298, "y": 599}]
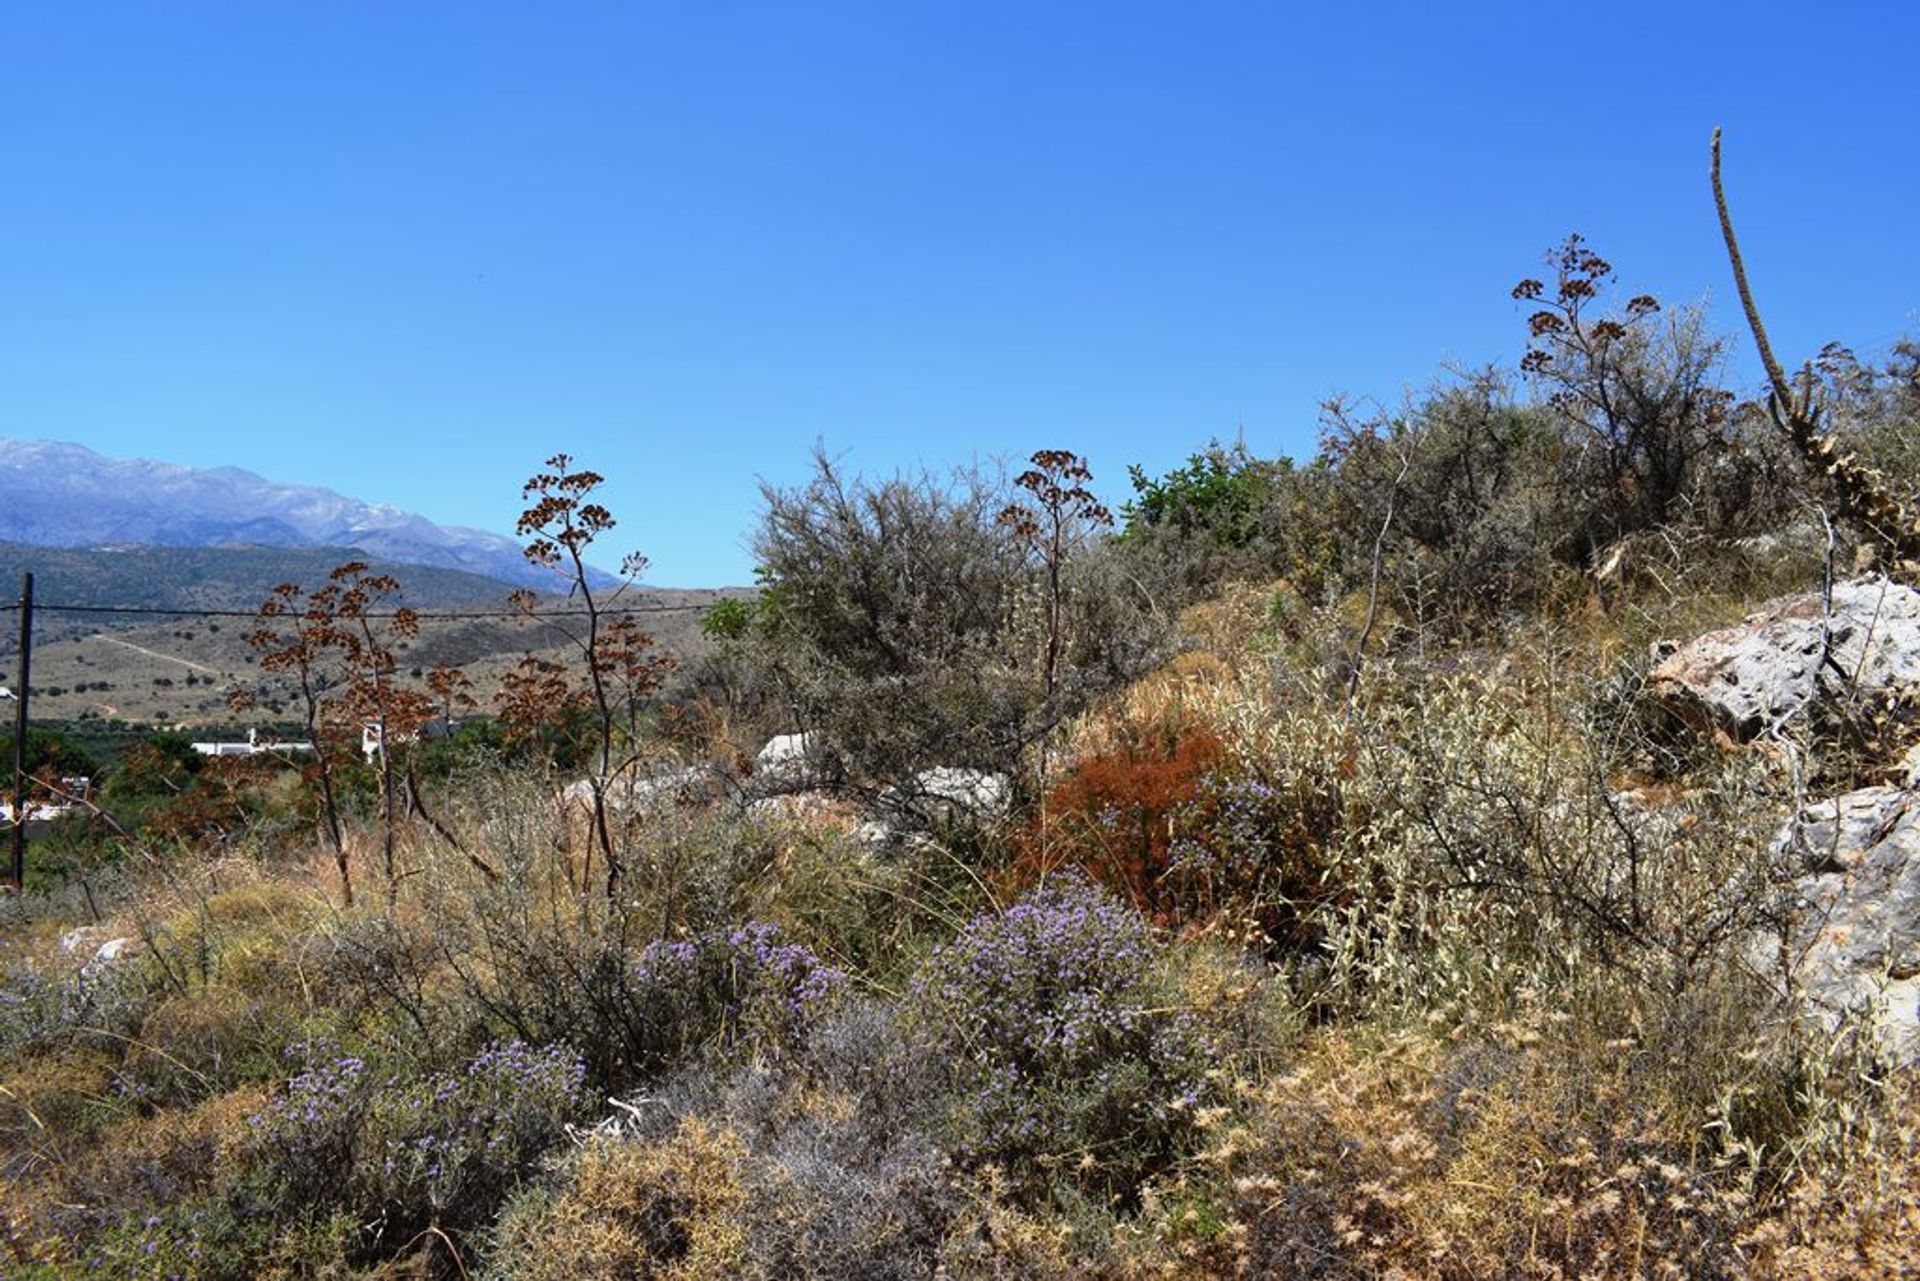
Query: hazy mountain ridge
[{"x": 66, "y": 495}]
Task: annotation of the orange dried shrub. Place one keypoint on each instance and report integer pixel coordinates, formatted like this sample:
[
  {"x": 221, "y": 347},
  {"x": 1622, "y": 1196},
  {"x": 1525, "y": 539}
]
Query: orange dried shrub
[{"x": 1113, "y": 814}]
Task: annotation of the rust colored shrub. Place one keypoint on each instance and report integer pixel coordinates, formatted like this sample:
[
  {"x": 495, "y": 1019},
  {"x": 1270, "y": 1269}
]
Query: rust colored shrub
[{"x": 1114, "y": 814}]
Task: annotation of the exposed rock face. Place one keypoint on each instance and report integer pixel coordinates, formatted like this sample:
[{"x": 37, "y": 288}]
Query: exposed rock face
[
  {"x": 1770, "y": 667},
  {"x": 1852, "y": 939},
  {"x": 1847, "y": 940}
]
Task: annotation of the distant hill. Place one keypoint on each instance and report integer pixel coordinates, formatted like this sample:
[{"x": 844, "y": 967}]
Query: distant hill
[
  {"x": 202, "y": 578},
  {"x": 178, "y": 670},
  {"x": 65, "y": 495}
]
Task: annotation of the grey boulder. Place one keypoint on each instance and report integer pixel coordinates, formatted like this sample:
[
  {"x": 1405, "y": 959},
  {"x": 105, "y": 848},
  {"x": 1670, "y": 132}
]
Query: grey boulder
[
  {"x": 1849, "y": 939},
  {"x": 1745, "y": 679}
]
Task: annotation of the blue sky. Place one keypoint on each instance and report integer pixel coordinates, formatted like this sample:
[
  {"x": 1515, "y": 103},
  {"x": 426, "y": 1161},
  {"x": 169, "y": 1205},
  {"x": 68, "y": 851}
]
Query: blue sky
[{"x": 407, "y": 250}]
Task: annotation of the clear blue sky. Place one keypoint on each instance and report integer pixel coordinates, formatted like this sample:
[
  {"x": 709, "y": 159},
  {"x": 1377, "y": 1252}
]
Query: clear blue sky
[{"x": 405, "y": 250}]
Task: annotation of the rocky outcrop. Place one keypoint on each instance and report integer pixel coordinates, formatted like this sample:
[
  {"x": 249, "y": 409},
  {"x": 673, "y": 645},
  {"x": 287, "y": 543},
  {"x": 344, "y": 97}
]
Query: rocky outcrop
[
  {"x": 1781, "y": 660},
  {"x": 1845, "y": 935},
  {"x": 813, "y": 809},
  {"x": 1850, "y": 942},
  {"x": 99, "y": 948},
  {"x": 943, "y": 800},
  {"x": 795, "y": 781}
]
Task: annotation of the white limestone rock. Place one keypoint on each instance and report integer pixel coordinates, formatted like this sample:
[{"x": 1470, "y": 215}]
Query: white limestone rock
[
  {"x": 789, "y": 763},
  {"x": 1851, "y": 942},
  {"x": 948, "y": 796},
  {"x": 1771, "y": 667},
  {"x": 691, "y": 786}
]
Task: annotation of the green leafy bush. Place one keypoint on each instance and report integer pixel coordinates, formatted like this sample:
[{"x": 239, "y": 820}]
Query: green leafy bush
[{"x": 1206, "y": 522}]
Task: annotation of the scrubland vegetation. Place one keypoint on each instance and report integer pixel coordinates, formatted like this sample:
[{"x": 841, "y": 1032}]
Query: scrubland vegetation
[{"x": 1357, "y": 913}]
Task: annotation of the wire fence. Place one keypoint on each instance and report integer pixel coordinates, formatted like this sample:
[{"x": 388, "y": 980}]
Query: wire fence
[{"x": 560, "y": 622}]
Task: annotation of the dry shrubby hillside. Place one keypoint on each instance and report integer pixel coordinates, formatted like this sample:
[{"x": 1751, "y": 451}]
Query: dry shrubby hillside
[
  {"x": 181, "y": 671},
  {"x": 1484, "y": 849}
]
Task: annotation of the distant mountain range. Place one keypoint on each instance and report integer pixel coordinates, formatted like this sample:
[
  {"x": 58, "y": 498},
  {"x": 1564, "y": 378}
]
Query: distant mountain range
[{"x": 63, "y": 495}]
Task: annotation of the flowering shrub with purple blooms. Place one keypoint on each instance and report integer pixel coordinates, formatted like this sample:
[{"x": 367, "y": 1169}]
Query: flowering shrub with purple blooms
[
  {"x": 460, "y": 1141},
  {"x": 165, "y": 1246},
  {"x": 1071, "y": 1068},
  {"x": 308, "y": 1136},
  {"x": 741, "y": 989},
  {"x": 444, "y": 1149},
  {"x": 636, "y": 1012},
  {"x": 40, "y": 1006}
]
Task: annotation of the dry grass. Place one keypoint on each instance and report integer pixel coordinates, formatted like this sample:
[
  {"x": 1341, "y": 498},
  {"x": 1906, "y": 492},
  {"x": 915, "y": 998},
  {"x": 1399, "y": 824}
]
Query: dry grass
[
  {"x": 674, "y": 1211},
  {"x": 1417, "y": 1154}
]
